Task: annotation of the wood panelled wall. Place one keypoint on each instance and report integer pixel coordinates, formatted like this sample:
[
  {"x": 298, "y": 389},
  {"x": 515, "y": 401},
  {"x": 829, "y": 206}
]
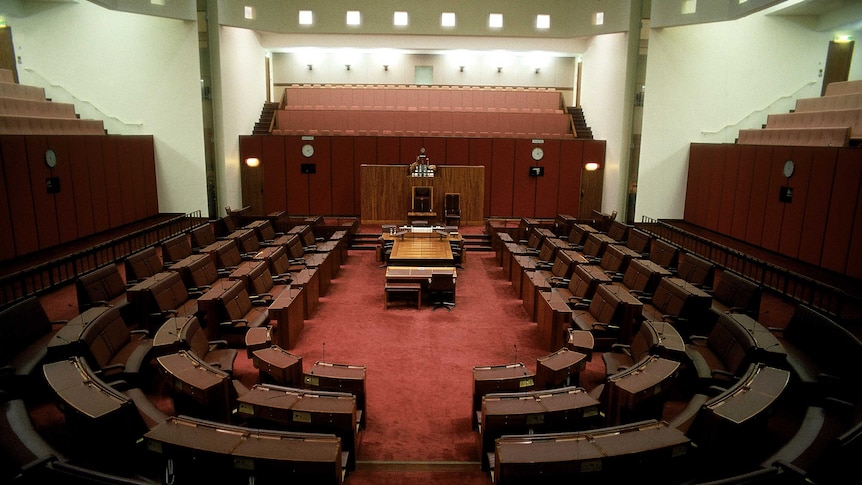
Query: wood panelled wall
[
  {"x": 105, "y": 181},
  {"x": 335, "y": 189},
  {"x": 734, "y": 190},
  {"x": 388, "y": 191}
]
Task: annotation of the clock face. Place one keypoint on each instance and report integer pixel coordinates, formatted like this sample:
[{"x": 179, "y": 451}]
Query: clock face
[
  {"x": 538, "y": 153},
  {"x": 307, "y": 150},
  {"x": 50, "y": 158},
  {"x": 789, "y": 167}
]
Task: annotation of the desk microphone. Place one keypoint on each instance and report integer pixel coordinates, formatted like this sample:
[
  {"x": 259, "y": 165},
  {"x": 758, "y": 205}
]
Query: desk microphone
[
  {"x": 323, "y": 354},
  {"x": 516, "y": 352}
]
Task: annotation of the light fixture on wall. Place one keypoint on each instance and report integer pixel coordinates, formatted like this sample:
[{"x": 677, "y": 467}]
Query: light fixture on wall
[
  {"x": 386, "y": 67},
  {"x": 310, "y": 67},
  {"x": 460, "y": 68},
  {"x": 499, "y": 69},
  {"x": 252, "y": 162},
  {"x": 347, "y": 66},
  {"x": 538, "y": 69},
  {"x": 591, "y": 166}
]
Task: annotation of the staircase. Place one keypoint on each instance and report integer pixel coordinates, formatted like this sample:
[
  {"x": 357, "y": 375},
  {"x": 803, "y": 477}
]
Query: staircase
[
  {"x": 261, "y": 127},
  {"x": 582, "y": 131}
]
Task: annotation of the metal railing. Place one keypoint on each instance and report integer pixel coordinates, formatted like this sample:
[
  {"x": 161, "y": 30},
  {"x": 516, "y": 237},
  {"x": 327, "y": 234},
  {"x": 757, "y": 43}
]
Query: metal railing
[
  {"x": 794, "y": 286},
  {"x": 65, "y": 269}
]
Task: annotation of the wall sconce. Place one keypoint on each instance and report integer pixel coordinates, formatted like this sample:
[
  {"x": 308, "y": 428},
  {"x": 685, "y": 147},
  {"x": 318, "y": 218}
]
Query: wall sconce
[
  {"x": 591, "y": 166},
  {"x": 499, "y": 69},
  {"x": 385, "y": 67},
  {"x": 252, "y": 162},
  {"x": 347, "y": 66},
  {"x": 461, "y": 68},
  {"x": 538, "y": 69},
  {"x": 310, "y": 67}
]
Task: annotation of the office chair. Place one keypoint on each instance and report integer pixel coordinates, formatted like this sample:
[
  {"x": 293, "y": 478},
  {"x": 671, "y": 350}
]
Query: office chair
[
  {"x": 452, "y": 209},
  {"x": 441, "y": 290}
]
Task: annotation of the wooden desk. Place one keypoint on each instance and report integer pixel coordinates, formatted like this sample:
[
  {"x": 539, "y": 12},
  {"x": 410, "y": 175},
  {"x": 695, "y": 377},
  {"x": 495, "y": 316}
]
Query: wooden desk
[
  {"x": 421, "y": 251},
  {"x": 738, "y": 418},
  {"x": 670, "y": 342},
  {"x": 553, "y": 318},
  {"x": 209, "y": 306},
  {"x": 308, "y": 279},
  {"x": 649, "y": 451},
  {"x": 631, "y": 312},
  {"x": 639, "y": 392},
  {"x": 327, "y": 376},
  {"x": 304, "y": 410},
  {"x": 288, "y": 311},
  {"x": 559, "y": 369},
  {"x": 498, "y": 378},
  {"x": 541, "y": 411},
  {"x": 278, "y": 365},
  {"x": 197, "y": 386},
  {"x": 200, "y": 451}
]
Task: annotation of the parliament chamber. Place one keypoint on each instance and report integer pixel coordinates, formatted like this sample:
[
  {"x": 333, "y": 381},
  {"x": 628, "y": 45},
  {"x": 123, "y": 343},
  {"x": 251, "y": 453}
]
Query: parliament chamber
[{"x": 295, "y": 337}]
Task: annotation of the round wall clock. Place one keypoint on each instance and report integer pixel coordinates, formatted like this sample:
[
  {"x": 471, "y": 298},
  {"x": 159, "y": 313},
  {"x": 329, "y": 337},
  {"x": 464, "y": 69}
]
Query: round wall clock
[
  {"x": 50, "y": 158},
  {"x": 538, "y": 153},
  {"x": 307, "y": 150}
]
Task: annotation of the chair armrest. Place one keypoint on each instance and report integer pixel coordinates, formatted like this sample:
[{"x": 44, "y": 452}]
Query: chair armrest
[
  {"x": 697, "y": 339},
  {"x": 215, "y": 344},
  {"x": 141, "y": 331},
  {"x": 234, "y": 323},
  {"x": 606, "y": 327}
]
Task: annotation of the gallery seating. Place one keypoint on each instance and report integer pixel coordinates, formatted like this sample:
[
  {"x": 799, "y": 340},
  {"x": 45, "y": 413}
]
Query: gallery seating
[
  {"x": 100, "y": 287},
  {"x": 25, "y": 331},
  {"x": 113, "y": 350},
  {"x": 141, "y": 265},
  {"x": 721, "y": 356},
  {"x": 215, "y": 353},
  {"x": 696, "y": 270},
  {"x": 664, "y": 253},
  {"x": 736, "y": 293},
  {"x": 176, "y": 249},
  {"x": 236, "y": 313},
  {"x": 623, "y": 355}
]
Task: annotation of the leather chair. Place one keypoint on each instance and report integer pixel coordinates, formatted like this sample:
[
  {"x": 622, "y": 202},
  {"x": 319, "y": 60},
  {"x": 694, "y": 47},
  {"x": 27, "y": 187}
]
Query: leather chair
[
  {"x": 176, "y": 248},
  {"x": 141, "y": 265},
  {"x": 452, "y": 209},
  {"x": 441, "y": 290}
]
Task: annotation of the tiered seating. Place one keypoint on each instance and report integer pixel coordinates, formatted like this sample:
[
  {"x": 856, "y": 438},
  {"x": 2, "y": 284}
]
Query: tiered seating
[
  {"x": 834, "y": 119},
  {"x": 24, "y": 110},
  {"x": 436, "y": 111}
]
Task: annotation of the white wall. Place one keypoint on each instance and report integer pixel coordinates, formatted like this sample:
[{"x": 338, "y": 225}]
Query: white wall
[
  {"x": 705, "y": 82},
  {"x": 602, "y": 98},
  {"x": 240, "y": 95},
  {"x": 138, "y": 73}
]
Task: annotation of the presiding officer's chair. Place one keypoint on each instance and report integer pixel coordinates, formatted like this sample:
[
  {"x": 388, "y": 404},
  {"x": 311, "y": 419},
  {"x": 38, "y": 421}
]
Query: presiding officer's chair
[
  {"x": 441, "y": 290},
  {"x": 452, "y": 209}
]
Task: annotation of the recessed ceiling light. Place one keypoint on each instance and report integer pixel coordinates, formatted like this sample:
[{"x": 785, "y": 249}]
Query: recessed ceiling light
[
  {"x": 689, "y": 7},
  {"x": 248, "y": 12},
  {"x": 400, "y": 19},
  {"x": 447, "y": 19},
  {"x": 495, "y": 20},
  {"x": 353, "y": 17},
  {"x": 599, "y": 18},
  {"x": 306, "y": 17},
  {"x": 543, "y": 21}
]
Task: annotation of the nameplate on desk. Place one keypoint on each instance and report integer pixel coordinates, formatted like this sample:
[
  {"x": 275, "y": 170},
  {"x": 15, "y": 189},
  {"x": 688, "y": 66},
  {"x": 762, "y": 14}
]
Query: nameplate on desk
[
  {"x": 301, "y": 417},
  {"x": 245, "y": 408},
  {"x": 312, "y": 380},
  {"x": 525, "y": 382}
]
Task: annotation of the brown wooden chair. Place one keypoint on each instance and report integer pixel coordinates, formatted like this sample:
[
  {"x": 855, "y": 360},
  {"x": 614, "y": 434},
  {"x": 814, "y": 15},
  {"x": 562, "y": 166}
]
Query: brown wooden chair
[{"x": 452, "y": 209}]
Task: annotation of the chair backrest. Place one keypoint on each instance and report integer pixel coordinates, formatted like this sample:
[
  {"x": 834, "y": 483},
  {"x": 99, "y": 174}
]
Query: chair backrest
[
  {"x": 195, "y": 338},
  {"x": 638, "y": 240},
  {"x": 618, "y": 231},
  {"x": 594, "y": 246},
  {"x": 644, "y": 341},
  {"x": 203, "y": 271},
  {"x": 669, "y": 298},
  {"x": 731, "y": 343},
  {"x": 548, "y": 250},
  {"x": 696, "y": 270},
  {"x": 581, "y": 284},
  {"x": 452, "y": 204},
  {"x": 306, "y": 235},
  {"x": 295, "y": 247},
  {"x": 534, "y": 239},
  {"x": 228, "y": 255},
  {"x": 637, "y": 276},
  {"x": 100, "y": 285},
  {"x": 441, "y": 281},
  {"x": 265, "y": 231},
  {"x": 20, "y": 325},
  {"x": 170, "y": 292},
  {"x": 664, "y": 253},
  {"x": 236, "y": 302},
  {"x": 613, "y": 259},
  {"x": 142, "y": 264},
  {"x": 279, "y": 263},
  {"x": 579, "y": 232},
  {"x": 736, "y": 291},
  {"x": 247, "y": 241},
  {"x": 105, "y": 336},
  {"x": 203, "y": 235},
  {"x": 604, "y": 305},
  {"x": 177, "y": 248},
  {"x": 260, "y": 279},
  {"x": 562, "y": 264}
]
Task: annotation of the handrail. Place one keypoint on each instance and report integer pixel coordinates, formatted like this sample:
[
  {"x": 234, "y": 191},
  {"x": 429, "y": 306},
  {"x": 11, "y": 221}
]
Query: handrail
[
  {"x": 789, "y": 284},
  {"x": 65, "y": 269},
  {"x": 78, "y": 99},
  {"x": 757, "y": 111}
]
